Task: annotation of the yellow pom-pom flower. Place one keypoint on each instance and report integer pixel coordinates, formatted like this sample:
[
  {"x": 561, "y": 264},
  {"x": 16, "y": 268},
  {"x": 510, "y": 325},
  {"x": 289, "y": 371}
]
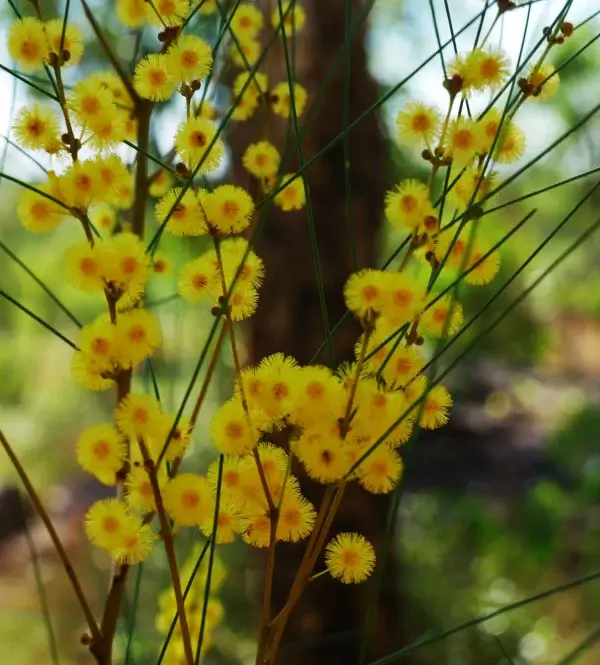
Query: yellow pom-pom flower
[
  {"x": 261, "y": 159},
  {"x": 238, "y": 259},
  {"x": 189, "y": 59},
  {"x": 137, "y": 337},
  {"x": 81, "y": 184},
  {"x": 36, "y": 127},
  {"x": 28, "y": 44},
  {"x": 108, "y": 522},
  {"x": 131, "y": 13},
  {"x": 402, "y": 298},
  {"x": 37, "y": 213},
  {"x": 297, "y": 516},
  {"x": 318, "y": 394},
  {"x": 89, "y": 101},
  {"x": 246, "y": 22},
  {"x": 404, "y": 364},
  {"x": 350, "y": 558},
  {"x": 407, "y": 205},
  {"x": 90, "y": 374},
  {"x": 435, "y": 412},
  {"x": 232, "y": 430},
  {"x": 137, "y": 545},
  {"x": 324, "y": 457},
  {"x": 471, "y": 186},
  {"x": 380, "y": 472},
  {"x": 97, "y": 342},
  {"x": 364, "y": 291},
  {"x": 152, "y": 78},
  {"x": 101, "y": 452},
  {"x": 292, "y": 196},
  {"x": 84, "y": 266},
  {"x": 443, "y": 317},
  {"x": 161, "y": 183},
  {"x": 167, "y": 13},
  {"x": 198, "y": 280},
  {"x": 228, "y": 209},
  {"x": 281, "y": 101},
  {"x": 197, "y": 144},
  {"x": 104, "y": 217},
  {"x": 417, "y": 124},
  {"x": 243, "y": 301},
  {"x": 138, "y": 416},
  {"x": 188, "y": 499},
  {"x": 138, "y": 488},
  {"x": 229, "y": 523},
  {"x": 487, "y": 268},
  {"x": 293, "y": 19},
  {"x": 72, "y": 44},
  {"x": 544, "y": 82},
  {"x": 462, "y": 141},
  {"x": 186, "y": 217},
  {"x": 485, "y": 69},
  {"x": 245, "y": 54}
]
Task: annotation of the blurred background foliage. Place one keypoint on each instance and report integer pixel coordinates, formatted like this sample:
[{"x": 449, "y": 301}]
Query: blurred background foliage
[{"x": 464, "y": 551}]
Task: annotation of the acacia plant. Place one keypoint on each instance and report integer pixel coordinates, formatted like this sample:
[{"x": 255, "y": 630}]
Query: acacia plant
[{"x": 119, "y": 197}]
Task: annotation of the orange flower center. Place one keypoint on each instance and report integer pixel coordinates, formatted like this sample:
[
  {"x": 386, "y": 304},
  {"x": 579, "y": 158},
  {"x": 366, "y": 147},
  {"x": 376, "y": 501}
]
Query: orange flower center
[
  {"x": 100, "y": 346},
  {"x": 101, "y": 450},
  {"x": 29, "y": 50},
  {"x": 83, "y": 182},
  {"x": 379, "y": 400},
  {"x": 379, "y": 468},
  {"x": 157, "y": 77},
  {"x": 129, "y": 265},
  {"x": 408, "y": 203},
  {"x": 490, "y": 69},
  {"x": 327, "y": 457},
  {"x": 402, "y": 297},
  {"x": 369, "y": 292},
  {"x": 292, "y": 516},
  {"x": 36, "y": 127},
  {"x": 88, "y": 266},
  {"x": 231, "y": 478},
  {"x": 198, "y": 139},
  {"x": 230, "y": 209},
  {"x": 190, "y": 499},
  {"x": 140, "y": 416},
  {"x": 160, "y": 266},
  {"x": 315, "y": 390},
  {"x": 137, "y": 334},
  {"x": 90, "y": 105},
  {"x": 420, "y": 123},
  {"x": 110, "y": 524},
  {"x": 199, "y": 282},
  {"x": 39, "y": 210},
  {"x": 463, "y": 139},
  {"x": 234, "y": 430},
  {"x": 403, "y": 366},
  {"x": 280, "y": 390},
  {"x": 189, "y": 59},
  {"x": 261, "y": 159},
  {"x": 245, "y": 22},
  {"x": 350, "y": 558}
]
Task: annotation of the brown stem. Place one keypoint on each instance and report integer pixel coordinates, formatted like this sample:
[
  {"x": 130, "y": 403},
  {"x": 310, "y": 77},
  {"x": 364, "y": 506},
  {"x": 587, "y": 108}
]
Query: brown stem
[
  {"x": 73, "y": 142},
  {"x": 209, "y": 373},
  {"x": 138, "y": 211},
  {"x": 268, "y": 590},
  {"x": 167, "y": 537},
  {"x": 94, "y": 630}
]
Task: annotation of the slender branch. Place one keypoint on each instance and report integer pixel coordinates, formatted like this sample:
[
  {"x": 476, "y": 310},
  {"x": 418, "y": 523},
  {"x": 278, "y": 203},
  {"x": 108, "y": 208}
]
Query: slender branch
[
  {"x": 167, "y": 537},
  {"x": 69, "y": 570}
]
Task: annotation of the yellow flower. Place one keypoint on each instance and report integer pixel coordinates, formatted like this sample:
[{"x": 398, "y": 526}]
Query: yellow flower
[
  {"x": 261, "y": 159},
  {"x": 103, "y": 217},
  {"x": 160, "y": 184},
  {"x": 152, "y": 79},
  {"x": 89, "y": 374},
  {"x": 444, "y": 316},
  {"x": 281, "y": 100},
  {"x": 350, "y": 558},
  {"x": 187, "y": 218},
  {"x": 229, "y": 523},
  {"x": 238, "y": 258},
  {"x": 407, "y": 205},
  {"x": 228, "y": 209},
  {"x": 462, "y": 141},
  {"x": 108, "y": 522},
  {"x": 138, "y": 488},
  {"x": 88, "y": 101},
  {"x": 73, "y": 41},
  {"x": 137, "y": 545},
  {"x": 292, "y": 196},
  {"x": 114, "y": 176},
  {"x": 324, "y": 457},
  {"x": 293, "y": 19},
  {"x": 232, "y": 430},
  {"x": 161, "y": 264},
  {"x": 297, "y": 516},
  {"x": 84, "y": 266},
  {"x": 544, "y": 81},
  {"x": 486, "y": 270},
  {"x": 435, "y": 412},
  {"x": 28, "y": 44},
  {"x": 380, "y": 472},
  {"x": 364, "y": 291},
  {"x": 197, "y": 143},
  {"x": 246, "y": 22},
  {"x": 258, "y": 531},
  {"x": 417, "y": 123},
  {"x": 404, "y": 364},
  {"x": 37, "y": 213},
  {"x": 137, "y": 337},
  {"x": 198, "y": 280},
  {"x": 36, "y": 127},
  {"x": 138, "y": 416},
  {"x": 470, "y": 180},
  {"x": 189, "y": 59},
  {"x": 402, "y": 298},
  {"x": 129, "y": 267},
  {"x": 131, "y": 13},
  {"x": 243, "y": 301},
  {"x": 81, "y": 184},
  {"x": 167, "y": 13},
  {"x": 245, "y": 54},
  {"x": 97, "y": 342},
  {"x": 486, "y": 69},
  {"x": 101, "y": 452},
  {"x": 188, "y": 499},
  {"x": 108, "y": 128}
]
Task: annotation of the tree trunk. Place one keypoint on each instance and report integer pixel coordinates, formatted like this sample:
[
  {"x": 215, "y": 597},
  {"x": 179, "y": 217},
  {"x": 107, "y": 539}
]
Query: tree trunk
[{"x": 289, "y": 317}]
